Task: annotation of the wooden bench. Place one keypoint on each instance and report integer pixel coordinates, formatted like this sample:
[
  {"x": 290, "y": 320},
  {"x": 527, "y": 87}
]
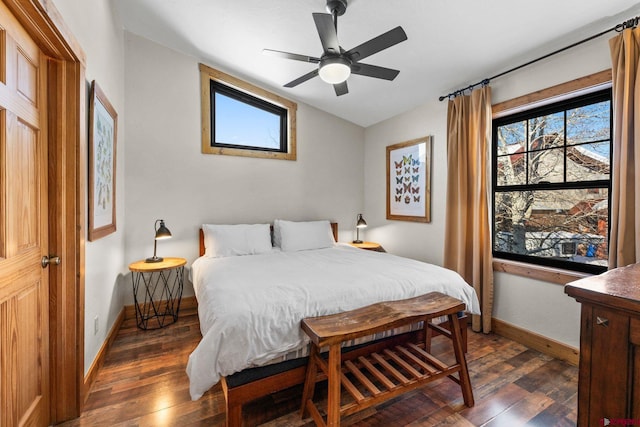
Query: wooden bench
[{"x": 375, "y": 377}]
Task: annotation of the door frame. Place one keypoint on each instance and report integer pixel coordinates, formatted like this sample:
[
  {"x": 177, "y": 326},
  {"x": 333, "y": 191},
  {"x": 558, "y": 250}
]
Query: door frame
[{"x": 67, "y": 159}]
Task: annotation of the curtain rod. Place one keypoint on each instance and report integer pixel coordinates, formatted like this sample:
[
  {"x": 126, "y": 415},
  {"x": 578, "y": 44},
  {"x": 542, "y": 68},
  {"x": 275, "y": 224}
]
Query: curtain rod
[{"x": 630, "y": 23}]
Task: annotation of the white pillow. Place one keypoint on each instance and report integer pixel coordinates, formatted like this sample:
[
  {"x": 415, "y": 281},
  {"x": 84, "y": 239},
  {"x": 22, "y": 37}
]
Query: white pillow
[
  {"x": 299, "y": 236},
  {"x": 240, "y": 239}
]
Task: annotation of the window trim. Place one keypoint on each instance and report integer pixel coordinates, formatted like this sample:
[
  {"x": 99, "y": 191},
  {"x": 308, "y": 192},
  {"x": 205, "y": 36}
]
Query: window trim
[
  {"x": 554, "y": 275},
  {"x": 207, "y": 75},
  {"x": 575, "y": 88}
]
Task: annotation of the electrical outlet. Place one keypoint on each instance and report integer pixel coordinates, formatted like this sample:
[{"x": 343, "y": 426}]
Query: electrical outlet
[{"x": 96, "y": 325}]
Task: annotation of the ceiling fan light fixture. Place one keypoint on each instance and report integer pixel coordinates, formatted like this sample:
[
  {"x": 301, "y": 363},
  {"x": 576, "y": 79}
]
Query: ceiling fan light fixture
[{"x": 335, "y": 70}]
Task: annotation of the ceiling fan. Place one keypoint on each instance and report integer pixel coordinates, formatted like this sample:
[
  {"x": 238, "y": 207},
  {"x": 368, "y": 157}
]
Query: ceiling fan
[{"x": 336, "y": 64}]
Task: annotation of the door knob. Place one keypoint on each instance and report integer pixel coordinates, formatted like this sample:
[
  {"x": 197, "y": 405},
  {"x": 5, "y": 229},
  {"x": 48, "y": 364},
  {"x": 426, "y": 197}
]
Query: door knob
[{"x": 51, "y": 259}]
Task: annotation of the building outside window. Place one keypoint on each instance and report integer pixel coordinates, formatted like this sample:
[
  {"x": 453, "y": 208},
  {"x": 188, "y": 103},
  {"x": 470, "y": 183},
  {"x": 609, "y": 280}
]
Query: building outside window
[{"x": 551, "y": 184}]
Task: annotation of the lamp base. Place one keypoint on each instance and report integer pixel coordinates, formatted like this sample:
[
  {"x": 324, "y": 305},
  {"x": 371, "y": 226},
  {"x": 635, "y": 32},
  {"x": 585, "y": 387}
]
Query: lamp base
[
  {"x": 357, "y": 241},
  {"x": 154, "y": 259}
]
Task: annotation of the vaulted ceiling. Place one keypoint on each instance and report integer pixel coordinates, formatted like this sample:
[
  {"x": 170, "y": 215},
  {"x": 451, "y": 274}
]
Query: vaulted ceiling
[{"x": 451, "y": 43}]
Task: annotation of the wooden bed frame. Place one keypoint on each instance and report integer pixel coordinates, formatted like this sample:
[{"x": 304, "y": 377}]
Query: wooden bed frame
[{"x": 236, "y": 394}]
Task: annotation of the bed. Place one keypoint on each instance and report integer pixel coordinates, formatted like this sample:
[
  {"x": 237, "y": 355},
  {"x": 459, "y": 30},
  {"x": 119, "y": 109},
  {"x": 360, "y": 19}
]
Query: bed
[{"x": 251, "y": 300}]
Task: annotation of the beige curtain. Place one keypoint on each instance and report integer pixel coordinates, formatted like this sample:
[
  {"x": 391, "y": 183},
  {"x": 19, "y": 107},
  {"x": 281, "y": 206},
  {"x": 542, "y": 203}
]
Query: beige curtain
[
  {"x": 624, "y": 237},
  {"x": 467, "y": 248}
]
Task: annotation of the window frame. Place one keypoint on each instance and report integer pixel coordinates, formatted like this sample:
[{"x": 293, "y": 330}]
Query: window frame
[
  {"x": 254, "y": 96},
  {"x": 559, "y": 103}
]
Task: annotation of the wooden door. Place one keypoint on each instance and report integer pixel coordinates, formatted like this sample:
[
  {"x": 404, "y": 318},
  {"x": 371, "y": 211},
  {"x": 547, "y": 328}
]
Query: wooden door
[{"x": 24, "y": 293}]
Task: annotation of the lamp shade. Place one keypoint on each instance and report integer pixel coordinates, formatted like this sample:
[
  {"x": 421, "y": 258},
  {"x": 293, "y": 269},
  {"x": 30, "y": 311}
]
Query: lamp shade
[
  {"x": 334, "y": 70},
  {"x": 162, "y": 232},
  {"x": 361, "y": 223}
]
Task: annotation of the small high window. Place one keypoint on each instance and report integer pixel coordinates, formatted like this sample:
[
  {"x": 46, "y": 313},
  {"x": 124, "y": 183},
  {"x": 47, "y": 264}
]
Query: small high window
[
  {"x": 243, "y": 120},
  {"x": 551, "y": 184}
]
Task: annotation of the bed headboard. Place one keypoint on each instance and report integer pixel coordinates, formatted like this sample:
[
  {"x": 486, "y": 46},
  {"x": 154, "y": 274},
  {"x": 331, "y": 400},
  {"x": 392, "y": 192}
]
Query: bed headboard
[{"x": 334, "y": 230}]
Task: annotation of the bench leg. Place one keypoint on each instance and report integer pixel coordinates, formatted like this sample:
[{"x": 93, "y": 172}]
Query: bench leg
[
  {"x": 464, "y": 330},
  {"x": 333, "y": 385},
  {"x": 310, "y": 381},
  {"x": 428, "y": 334},
  {"x": 465, "y": 382}
]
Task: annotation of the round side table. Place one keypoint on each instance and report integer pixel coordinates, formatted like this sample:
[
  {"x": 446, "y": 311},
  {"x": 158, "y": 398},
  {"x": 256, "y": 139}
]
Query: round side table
[
  {"x": 157, "y": 291},
  {"x": 370, "y": 246}
]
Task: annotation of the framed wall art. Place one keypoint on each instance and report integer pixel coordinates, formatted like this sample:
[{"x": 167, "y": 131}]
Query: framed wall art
[
  {"x": 103, "y": 125},
  {"x": 409, "y": 180}
]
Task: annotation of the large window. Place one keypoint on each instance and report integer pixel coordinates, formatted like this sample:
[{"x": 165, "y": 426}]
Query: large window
[
  {"x": 551, "y": 168},
  {"x": 243, "y": 120}
]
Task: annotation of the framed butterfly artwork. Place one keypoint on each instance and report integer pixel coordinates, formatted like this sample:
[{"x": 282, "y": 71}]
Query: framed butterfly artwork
[{"x": 409, "y": 180}]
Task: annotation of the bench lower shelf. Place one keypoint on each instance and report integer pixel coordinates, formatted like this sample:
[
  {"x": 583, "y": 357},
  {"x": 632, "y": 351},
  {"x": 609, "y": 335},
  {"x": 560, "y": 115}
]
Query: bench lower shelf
[{"x": 374, "y": 377}]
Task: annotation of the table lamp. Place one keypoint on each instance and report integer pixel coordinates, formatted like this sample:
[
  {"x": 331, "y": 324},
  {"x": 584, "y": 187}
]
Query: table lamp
[
  {"x": 360, "y": 223},
  {"x": 162, "y": 232}
]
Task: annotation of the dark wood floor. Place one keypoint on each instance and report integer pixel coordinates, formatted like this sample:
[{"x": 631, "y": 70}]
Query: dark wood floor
[{"x": 143, "y": 383}]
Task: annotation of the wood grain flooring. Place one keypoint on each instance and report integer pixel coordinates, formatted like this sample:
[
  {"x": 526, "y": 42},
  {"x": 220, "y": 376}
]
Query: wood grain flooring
[{"x": 143, "y": 383}]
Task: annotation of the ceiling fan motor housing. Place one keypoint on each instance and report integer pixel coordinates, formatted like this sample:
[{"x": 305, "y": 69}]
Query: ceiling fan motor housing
[{"x": 339, "y": 6}]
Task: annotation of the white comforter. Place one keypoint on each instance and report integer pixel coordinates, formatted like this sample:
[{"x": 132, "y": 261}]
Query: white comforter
[{"x": 250, "y": 307}]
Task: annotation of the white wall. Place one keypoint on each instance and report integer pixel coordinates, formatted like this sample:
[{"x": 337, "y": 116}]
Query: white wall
[
  {"x": 98, "y": 30},
  {"x": 168, "y": 177},
  {"x": 530, "y": 304},
  {"x": 422, "y": 241}
]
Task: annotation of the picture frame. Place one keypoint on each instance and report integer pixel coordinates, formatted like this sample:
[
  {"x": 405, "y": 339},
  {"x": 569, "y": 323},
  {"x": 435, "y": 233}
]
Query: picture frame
[
  {"x": 409, "y": 180},
  {"x": 103, "y": 130}
]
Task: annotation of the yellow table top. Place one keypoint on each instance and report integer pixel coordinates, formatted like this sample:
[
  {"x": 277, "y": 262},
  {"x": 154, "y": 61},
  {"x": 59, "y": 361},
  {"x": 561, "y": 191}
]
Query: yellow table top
[
  {"x": 366, "y": 245},
  {"x": 165, "y": 264}
]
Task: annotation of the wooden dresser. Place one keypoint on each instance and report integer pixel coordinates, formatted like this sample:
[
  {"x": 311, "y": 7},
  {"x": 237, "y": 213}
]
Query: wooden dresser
[{"x": 609, "y": 376}]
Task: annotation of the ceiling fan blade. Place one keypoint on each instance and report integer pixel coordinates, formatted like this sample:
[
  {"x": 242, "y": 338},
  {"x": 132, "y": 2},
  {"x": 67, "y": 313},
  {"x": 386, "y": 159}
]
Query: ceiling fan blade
[
  {"x": 373, "y": 71},
  {"x": 341, "y": 88},
  {"x": 287, "y": 55},
  {"x": 327, "y": 32},
  {"x": 375, "y": 45},
  {"x": 302, "y": 79}
]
